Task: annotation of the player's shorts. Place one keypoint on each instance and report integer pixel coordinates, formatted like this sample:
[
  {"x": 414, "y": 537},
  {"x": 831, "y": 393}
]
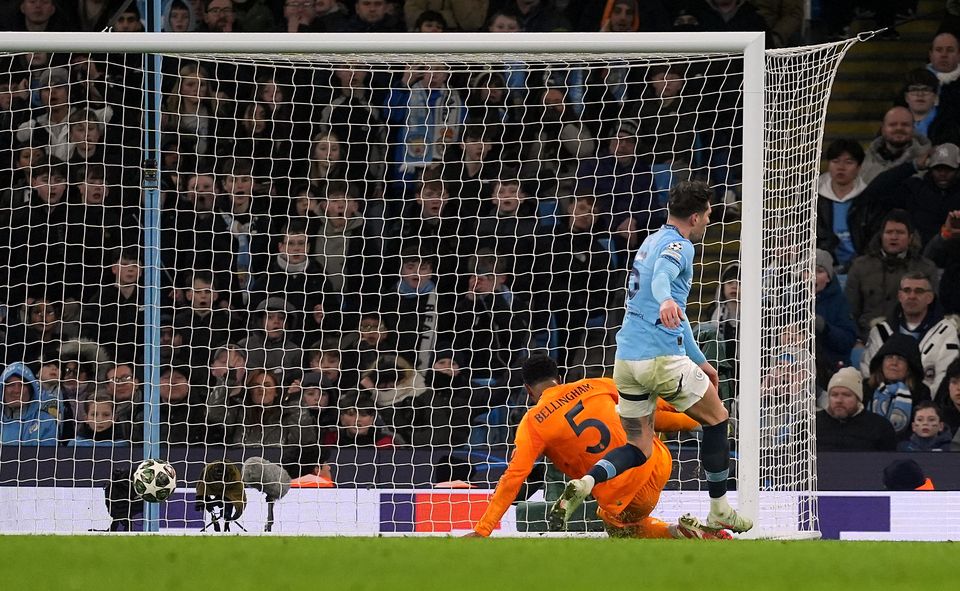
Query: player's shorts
[{"x": 675, "y": 378}]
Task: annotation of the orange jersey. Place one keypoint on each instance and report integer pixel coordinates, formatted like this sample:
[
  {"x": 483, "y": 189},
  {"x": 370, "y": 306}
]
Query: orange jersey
[{"x": 575, "y": 425}]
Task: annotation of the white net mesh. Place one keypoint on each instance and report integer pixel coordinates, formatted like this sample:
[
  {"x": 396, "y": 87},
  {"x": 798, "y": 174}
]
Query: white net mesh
[{"x": 356, "y": 253}]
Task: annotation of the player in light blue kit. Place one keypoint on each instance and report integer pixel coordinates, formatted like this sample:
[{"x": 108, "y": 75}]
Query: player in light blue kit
[{"x": 657, "y": 356}]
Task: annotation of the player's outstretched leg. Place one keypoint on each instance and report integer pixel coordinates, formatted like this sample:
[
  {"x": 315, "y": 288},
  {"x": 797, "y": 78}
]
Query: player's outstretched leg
[
  {"x": 573, "y": 496},
  {"x": 688, "y": 526}
]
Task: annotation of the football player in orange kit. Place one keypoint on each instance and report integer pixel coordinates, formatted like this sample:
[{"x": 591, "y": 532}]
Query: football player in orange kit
[{"x": 574, "y": 425}]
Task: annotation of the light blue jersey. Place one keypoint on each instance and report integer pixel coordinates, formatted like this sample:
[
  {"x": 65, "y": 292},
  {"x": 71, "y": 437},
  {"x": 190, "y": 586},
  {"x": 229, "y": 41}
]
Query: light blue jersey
[{"x": 643, "y": 336}]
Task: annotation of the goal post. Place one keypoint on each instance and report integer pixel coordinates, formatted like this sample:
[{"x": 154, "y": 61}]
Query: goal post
[{"x": 755, "y": 121}]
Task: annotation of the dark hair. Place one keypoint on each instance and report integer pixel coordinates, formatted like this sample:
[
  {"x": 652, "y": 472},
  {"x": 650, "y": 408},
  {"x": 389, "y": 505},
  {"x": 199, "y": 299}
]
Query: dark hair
[
  {"x": 431, "y": 16},
  {"x": 507, "y": 12},
  {"x": 538, "y": 368},
  {"x": 897, "y": 216},
  {"x": 917, "y": 275},
  {"x": 953, "y": 370},
  {"x": 921, "y": 77},
  {"x": 927, "y": 404},
  {"x": 903, "y": 475},
  {"x": 688, "y": 198},
  {"x": 128, "y": 253},
  {"x": 843, "y": 145}
]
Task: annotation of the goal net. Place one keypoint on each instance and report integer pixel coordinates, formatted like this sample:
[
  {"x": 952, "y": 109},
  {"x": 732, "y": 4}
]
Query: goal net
[{"x": 314, "y": 299}]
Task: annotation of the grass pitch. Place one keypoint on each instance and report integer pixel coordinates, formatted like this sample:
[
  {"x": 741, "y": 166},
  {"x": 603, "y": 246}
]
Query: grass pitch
[{"x": 391, "y": 564}]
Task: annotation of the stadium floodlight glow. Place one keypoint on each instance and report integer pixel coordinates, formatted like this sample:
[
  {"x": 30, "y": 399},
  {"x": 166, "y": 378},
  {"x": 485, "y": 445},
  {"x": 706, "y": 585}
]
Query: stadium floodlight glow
[{"x": 297, "y": 114}]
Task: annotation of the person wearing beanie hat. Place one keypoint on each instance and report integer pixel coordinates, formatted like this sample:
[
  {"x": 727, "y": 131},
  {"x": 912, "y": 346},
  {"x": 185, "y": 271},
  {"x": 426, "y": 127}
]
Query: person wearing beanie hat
[
  {"x": 835, "y": 330},
  {"x": 844, "y": 425},
  {"x": 905, "y": 475}
]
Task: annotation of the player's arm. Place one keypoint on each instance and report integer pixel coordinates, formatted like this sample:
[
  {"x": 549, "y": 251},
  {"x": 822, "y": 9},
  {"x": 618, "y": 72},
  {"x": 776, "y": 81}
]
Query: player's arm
[
  {"x": 669, "y": 419},
  {"x": 529, "y": 447}
]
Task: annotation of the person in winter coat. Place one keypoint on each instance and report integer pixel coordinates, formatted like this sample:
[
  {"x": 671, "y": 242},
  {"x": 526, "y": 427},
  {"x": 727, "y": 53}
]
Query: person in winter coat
[
  {"x": 895, "y": 384},
  {"x": 845, "y": 221},
  {"x": 269, "y": 346},
  {"x": 22, "y": 420},
  {"x": 928, "y": 198},
  {"x": 929, "y": 432},
  {"x": 97, "y": 430},
  {"x": 898, "y": 143},
  {"x": 874, "y": 278},
  {"x": 835, "y": 329},
  {"x": 947, "y": 398},
  {"x": 845, "y": 425},
  {"x": 918, "y": 314}
]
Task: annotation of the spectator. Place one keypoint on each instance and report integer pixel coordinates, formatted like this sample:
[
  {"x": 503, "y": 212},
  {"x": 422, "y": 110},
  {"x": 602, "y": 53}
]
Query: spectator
[
  {"x": 441, "y": 415},
  {"x": 572, "y": 279},
  {"x": 89, "y": 254},
  {"x": 317, "y": 397},
  {"x": 129, "y": 21},
  {"x": 730, "y": 15},
  {"x": 537, "y": 16},
  {"x": 113, "y": 317},
  {"x": 667, "y": 123},
  {"x": 717, "y": 337},
  {"x": 470, "y": 165},
  {"x": 327, "y": 162},
  {"x": 874, "y": 278},
  {"x": 120, "y": 384},
  {"x": 180, "y": 409},
  {"x": 413, "y": 308},
  {"x": 375, "y": 340},
  {"x": 79, "y": 360},
  {"x": 33, "y": 248},
  {"x": 490, "y": 326},
  {"x": 784, "y": 20},
  {"x": 332, "y": 15},
  {"x": 620, "y": 181},
  {"x": 207, "y": 328},
  {"x": 897, "y": 144},
  {"x": 189, "y": 110},
  {"x": 928, "y": 198},
  {"x": 35, "y": 330},
  {"x": 844, "y": 425},
  {"x": 294, "y": 273},
  {"x": 268, "y": 347},
  {"x": 218, "y": 17},
  {"x": 248, "y": 219},
  {"x": 23, "y": 422},
  {"x": 895, "y": 382},
  {"x": 196, "y": 237},
  {"x": 937, "y": 122},
  {"x": 394, "y": 383},
  {"x": 504, "y": 21},
  {"x": 917, "y": 314},
  {"x": 945, "y": 65},
  {"x": 948, "y": 397},
  {"x": 228, "y": 376},
  {"x": 342, "y": 250},
  {"x": 98, "y": 429},
  {"x": 844, "y": 220},
  {"x": 300, "y": 16},
  {"x": 836, "y": 331},
  {"x": 928, "y": 431},
  {"x": 358, "y": 426},
  {"x": 508, "y": 228},
  {"x": 944, "y": 250},
  {"x": 51, "y": 129},
  {"x": 258, "y": 421},
  {"x": 455, "y": 15},
  {"x": 179, "y": 17},
  {"x": 372, "y": 16},
  {"x": 427, "y": 114},
  {"x": 36, "y": 16},
  {"x": 430, "y": 21},
  {"x": 358, "y": 124}
]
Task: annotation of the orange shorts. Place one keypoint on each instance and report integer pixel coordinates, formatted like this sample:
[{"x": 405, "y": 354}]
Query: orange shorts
[{"x": 647, "y": 491}]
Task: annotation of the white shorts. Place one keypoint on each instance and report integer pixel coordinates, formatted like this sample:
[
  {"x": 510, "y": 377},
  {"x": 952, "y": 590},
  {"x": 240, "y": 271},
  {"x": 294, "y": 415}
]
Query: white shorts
[{"x": 675, "y": 378}]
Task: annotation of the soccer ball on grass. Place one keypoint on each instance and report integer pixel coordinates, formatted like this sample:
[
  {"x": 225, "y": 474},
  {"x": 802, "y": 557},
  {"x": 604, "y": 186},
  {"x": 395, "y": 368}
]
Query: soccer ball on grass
[{"x": 154, "y": 480}]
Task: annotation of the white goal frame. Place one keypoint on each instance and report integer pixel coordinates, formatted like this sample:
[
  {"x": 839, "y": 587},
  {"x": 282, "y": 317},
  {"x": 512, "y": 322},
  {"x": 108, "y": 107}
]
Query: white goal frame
[{"x": 749, "y": 45}]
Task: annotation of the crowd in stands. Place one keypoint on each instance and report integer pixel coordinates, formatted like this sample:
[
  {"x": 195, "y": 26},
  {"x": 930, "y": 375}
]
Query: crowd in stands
[{"x": 363, "y": 255}]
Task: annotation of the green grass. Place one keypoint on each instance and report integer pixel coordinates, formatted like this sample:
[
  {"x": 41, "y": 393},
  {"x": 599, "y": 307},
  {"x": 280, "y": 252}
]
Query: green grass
[{"x": 389, "y": 564}]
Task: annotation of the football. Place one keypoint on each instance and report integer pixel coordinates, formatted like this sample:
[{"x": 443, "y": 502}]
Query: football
[{"x": 154, "y": 481}]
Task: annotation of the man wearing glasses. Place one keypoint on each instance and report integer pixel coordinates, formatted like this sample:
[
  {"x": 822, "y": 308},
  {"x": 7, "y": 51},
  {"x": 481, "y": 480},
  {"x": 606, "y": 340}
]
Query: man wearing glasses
[
  {"x": 919, "y": 315},
  {"x": 218, "y": 17}
]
